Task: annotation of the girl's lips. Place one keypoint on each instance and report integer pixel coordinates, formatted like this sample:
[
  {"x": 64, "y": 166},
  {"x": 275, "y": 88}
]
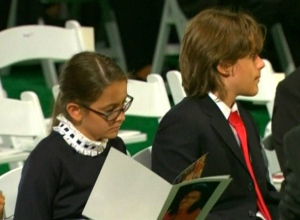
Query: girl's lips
[{"x": 115, "y": 129}]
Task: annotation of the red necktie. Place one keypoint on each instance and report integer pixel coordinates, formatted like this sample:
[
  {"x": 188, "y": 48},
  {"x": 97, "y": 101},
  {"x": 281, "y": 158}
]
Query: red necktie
[{"x": 236, "y": 121}]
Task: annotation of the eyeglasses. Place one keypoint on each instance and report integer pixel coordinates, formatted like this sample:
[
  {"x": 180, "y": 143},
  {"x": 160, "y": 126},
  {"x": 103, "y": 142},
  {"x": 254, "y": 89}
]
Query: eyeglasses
[{"x": 114, "y": 114}]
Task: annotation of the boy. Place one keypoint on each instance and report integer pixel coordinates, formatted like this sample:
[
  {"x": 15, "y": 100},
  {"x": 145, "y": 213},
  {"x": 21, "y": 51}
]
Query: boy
[{"x": 219, "y": 60}]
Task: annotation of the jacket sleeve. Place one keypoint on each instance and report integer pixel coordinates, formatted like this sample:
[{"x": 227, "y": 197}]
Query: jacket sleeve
[{"x": 38, "y": 185}]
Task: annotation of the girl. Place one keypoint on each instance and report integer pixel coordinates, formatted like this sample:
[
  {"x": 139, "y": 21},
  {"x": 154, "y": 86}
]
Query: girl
[{"x": 60, "y": 173}]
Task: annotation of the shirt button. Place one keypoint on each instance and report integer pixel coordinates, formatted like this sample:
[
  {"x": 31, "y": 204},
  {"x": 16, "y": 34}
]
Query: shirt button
[
  {"x": 250, "y": 187},
  {"x": 251, "y": 213}
]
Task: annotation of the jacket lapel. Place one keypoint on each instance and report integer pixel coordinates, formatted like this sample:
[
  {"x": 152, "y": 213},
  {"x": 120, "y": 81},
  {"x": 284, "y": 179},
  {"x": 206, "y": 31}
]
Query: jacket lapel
[{"x": 222, "y": 127}]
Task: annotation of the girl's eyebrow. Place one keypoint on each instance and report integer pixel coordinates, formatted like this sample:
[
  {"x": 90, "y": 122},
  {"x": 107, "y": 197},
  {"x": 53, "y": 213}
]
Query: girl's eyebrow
[{"x": 113, "y": 104}]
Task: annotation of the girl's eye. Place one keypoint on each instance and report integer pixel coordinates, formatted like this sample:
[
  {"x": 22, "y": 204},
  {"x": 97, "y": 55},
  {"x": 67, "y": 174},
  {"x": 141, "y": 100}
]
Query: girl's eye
[
  {"x": 112, "y": 108},
  {"x": 109, "y": 110}
]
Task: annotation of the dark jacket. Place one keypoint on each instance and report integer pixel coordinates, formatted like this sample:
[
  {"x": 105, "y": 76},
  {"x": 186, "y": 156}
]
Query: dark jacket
[{"x": 197, "y": 126}]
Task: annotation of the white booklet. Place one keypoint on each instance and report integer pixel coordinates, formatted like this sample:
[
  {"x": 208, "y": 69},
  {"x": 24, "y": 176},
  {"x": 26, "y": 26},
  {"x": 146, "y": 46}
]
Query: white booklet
[{"x": 125, "y": 189}]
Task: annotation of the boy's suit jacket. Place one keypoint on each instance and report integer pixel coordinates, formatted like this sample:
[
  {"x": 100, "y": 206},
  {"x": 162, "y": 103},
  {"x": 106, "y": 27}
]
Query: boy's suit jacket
[{"x": 197, "y": 126}]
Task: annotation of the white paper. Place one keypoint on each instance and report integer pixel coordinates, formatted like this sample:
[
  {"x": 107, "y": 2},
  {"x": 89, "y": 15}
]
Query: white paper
[
  {"x": 122, "y": 177},
  {"x": 127, "y": 190}
]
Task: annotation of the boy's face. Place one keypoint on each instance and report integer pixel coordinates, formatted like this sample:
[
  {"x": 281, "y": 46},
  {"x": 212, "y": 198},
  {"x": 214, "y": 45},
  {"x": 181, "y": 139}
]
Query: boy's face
[{"x": 245, "y": 75}]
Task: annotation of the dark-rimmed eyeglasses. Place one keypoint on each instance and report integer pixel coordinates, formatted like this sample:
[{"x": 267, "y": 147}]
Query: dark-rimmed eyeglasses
[{"x": 114, "y": 114}]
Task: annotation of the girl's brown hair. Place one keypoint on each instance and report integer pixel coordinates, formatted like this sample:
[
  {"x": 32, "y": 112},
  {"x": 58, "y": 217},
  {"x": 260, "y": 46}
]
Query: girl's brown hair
[{"x": 83, "y": 79}]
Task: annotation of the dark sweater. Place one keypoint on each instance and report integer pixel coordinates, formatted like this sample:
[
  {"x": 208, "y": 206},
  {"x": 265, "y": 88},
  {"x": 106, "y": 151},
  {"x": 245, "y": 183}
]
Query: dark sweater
[{"x": 57, "y": 181}]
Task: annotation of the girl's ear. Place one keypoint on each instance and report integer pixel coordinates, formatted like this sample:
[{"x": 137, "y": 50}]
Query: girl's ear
[
  {"x": 225, "y": 69},
  {"x": 75, "y": 111}
]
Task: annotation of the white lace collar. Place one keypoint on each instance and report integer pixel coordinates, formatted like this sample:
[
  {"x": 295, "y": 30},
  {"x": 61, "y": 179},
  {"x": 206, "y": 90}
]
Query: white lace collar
[{"x": 77, "y": 140}]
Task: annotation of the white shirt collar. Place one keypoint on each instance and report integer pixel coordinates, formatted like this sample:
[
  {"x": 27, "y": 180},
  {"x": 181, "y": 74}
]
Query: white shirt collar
[
  {"x": 222, "y": 106},
  {"x": 77, "y": 140}
]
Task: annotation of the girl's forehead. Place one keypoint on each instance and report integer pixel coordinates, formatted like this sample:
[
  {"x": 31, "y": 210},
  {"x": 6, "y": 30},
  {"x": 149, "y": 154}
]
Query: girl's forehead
[{"x": 116, "y": 92}]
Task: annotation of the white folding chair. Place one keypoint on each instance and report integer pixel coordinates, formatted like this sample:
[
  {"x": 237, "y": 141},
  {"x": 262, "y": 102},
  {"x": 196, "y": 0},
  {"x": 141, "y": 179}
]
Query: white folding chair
[
  {"x": 174, "y": 79},
  {"x": 150, "y": 98},
  {"x": 22, "y": 126},
  {"x": 144, "y": 157},
  {"x": 46, "y": 43},
  {"x": 172, "y": 16},
  {"x": 9, "y": 183}
]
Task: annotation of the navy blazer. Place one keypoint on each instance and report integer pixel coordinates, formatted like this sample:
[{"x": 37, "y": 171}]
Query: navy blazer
[{"x": 197, "y": 126}]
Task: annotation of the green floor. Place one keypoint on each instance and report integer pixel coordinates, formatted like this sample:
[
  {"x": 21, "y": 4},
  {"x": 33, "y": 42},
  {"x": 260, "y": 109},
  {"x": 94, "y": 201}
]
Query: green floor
[{"x": 24, "y": 78}]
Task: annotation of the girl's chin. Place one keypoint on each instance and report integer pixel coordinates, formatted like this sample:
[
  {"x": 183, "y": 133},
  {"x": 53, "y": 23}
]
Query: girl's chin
[{"x": 112, "y": 135}]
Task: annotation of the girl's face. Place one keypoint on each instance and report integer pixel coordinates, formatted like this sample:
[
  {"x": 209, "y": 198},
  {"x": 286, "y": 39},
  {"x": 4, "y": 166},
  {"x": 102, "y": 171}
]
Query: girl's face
[{"x": 95, "y": 126}]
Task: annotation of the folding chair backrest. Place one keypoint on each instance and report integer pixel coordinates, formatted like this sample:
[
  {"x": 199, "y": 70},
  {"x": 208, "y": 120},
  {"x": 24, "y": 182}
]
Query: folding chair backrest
[
  {"x": 174, "y": 79},
  {"x": 22, "y": 119},
  {"x": 9, "y": 183},
  {"x": 150, "y": 98},
  {"x": 55, "y": 91}
]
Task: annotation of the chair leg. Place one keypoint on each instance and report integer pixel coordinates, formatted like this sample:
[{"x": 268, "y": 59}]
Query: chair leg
[
  {"x": 12, "y": 20},
  {"x": 172, "y": 15},
  {"x": 115, "y": 47},
  {"x": 115, "y": 43},
  {"x": 49, "y": 72},
  {"x": 283, "y": 50},
  {"x": 162, "y": 40}
]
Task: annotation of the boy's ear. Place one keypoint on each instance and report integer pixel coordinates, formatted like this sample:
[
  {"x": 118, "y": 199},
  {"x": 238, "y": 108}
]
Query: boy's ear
[
  {"x": 75, "y": 111},
  {"x": 225, "y": 69}
]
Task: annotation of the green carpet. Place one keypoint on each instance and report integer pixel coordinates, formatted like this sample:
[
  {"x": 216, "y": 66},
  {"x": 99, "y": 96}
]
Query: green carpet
[{"x": 30, "y": 78}]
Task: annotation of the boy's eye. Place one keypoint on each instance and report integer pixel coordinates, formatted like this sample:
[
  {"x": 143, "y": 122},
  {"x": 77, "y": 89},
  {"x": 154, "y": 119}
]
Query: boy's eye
[{"x": 253, "y": 56}]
